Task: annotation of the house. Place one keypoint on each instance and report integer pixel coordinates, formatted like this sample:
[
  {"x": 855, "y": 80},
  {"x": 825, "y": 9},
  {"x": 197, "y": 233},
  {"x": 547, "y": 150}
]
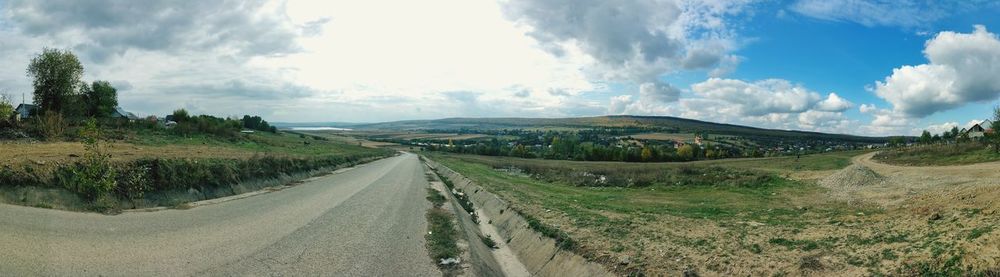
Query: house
[
  {"x": 979, "y": 130},
  {"x": 24, "y": 111},
  {"x": 118, "y": 112}
]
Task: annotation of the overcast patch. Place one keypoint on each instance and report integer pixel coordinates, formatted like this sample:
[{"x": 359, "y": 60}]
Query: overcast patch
[{"x": 106, "y": 28}]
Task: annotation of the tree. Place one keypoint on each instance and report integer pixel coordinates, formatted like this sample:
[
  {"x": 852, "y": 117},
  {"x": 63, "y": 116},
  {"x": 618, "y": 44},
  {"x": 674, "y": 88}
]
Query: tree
[
  {"x": 56, "y": 76},
  {"x": 6, "y": 108},
  {"x": 100, "y": 99},
  {"x": 181, "y": 115},
  {"x": 647, "y": 154},
  {"x": 925, "y": 137},
  {"x": 686, "y": 152},
  {"x": 954, "y": 132},
  {"x": 995, "y": 127}
]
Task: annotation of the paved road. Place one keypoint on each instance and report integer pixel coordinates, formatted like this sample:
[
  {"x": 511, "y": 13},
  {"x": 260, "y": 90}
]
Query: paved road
[{"x": 367, "y": 221}]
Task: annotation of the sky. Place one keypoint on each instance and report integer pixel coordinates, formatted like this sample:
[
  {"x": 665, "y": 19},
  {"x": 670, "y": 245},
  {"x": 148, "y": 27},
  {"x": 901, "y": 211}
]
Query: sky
[{"x": 864, "y": 67}]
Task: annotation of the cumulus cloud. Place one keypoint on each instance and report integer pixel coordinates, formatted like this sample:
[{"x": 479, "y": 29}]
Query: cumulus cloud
[
  {"x": 899, "y": 13},
  {"x": 106, "y": 28},
  {"x": 962, "y": 68},
  {"x": 939, "y": 128},
  {"x": 834, "y": 103},
  {"x": 768, "y": 96},
  {"x": 653, "y": 98},
  {"x": 771, "y": 103},
  {"x": 635, "y": 40}
]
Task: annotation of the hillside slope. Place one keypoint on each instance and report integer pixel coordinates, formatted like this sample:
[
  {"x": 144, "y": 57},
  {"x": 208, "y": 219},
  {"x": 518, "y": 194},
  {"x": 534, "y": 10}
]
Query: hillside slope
[{"x": 665, "y": 123}]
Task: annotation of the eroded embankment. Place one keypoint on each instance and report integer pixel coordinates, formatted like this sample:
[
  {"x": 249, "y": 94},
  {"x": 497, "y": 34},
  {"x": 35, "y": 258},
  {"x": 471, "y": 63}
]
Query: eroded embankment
[{"x": 539, "y": 254}]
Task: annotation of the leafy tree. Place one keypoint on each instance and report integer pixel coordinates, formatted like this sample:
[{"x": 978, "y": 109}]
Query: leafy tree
[
  {"x": 100, "y": 98},
  {"x": 56, "y": 76},
  {"x": 6, "y": 108},
  {"x": 257, "y": 123},
  {"x": 647, "y": 154},
  {"x": 686, "y": 152},
  {"x": 181, "y": 115},
  {"x": 925, "y": 137},
  {"x": 954, "y": 132},
  {"x": 95, "y": 175},
  {"x": 995, "y": 126}
]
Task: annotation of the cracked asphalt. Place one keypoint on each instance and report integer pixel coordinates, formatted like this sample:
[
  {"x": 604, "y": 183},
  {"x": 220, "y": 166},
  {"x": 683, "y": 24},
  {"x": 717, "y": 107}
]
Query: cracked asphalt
[{"x": 368, "y": 221}]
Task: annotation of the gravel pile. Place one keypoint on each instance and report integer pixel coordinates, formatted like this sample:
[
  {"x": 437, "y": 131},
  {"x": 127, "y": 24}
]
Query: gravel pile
[{"x": 853, "y": 176}]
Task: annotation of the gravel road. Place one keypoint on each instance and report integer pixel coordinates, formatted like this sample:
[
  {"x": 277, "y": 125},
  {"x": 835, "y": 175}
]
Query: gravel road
[{"x": 365, "y": 221}]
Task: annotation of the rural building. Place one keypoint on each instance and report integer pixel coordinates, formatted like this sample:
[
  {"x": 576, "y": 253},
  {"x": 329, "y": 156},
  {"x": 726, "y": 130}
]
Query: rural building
[
  {"x": 979, "y": 130},
  {"x": 120, "y": 113},
  {"x": 24, "y": 111}
]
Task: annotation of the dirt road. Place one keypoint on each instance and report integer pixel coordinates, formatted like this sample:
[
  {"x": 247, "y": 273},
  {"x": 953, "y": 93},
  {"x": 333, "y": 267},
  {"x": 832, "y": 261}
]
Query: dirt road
[{"x": 367, "y": 221}]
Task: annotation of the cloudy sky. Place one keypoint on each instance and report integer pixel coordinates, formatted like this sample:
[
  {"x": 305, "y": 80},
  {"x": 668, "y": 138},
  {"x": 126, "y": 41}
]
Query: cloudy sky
[{"x": 870, "y": 67}]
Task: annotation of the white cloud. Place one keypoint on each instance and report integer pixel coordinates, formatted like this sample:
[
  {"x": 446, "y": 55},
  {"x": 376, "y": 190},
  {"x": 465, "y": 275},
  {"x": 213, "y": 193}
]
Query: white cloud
[
  {"x": 901, "y": 13},
  {"x": 962, "y": 68},
  {"x": 634, "y": 40},
  {"x": 834, "y": 103},
  {"x": 935, "y": 129},
  {"x": 764, "y": 97},
  {"x": 771, "y": 103}
]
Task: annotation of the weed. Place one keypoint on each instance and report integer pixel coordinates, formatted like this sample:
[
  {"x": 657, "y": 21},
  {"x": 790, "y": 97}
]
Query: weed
[
  {"x": 441, "y": 236},
  {"x": 975, "y": 233},
  {"x": 435, "y": 197},
  {"x": 488, "y": 241}
]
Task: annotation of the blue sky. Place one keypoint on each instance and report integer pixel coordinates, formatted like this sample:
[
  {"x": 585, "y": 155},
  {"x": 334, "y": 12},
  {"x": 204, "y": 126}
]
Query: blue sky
[{"x": 842, "y": 66}]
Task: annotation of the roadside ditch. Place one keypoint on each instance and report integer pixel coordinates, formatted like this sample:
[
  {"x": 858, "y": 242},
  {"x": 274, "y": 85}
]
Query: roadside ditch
[{"x": 522, "y": 251}]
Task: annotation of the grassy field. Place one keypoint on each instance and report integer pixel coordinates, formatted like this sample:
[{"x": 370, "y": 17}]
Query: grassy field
[
  {"x": 149, "y": 168},
  {"x": 939, "y": 154},
  {"x": 745, "y": 220}
]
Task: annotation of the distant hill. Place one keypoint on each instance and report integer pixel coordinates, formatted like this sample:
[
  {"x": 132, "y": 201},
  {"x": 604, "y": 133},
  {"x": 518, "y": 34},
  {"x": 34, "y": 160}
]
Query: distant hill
[{"x": 682, "y": 125}]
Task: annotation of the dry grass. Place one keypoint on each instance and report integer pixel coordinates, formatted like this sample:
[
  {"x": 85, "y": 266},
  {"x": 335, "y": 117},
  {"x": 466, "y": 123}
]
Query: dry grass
[{"x": 18, "y": 153}]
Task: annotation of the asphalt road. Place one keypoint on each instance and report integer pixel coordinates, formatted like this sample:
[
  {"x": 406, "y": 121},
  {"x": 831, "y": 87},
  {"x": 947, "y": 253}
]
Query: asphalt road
[{"x": 368, "y": 221}]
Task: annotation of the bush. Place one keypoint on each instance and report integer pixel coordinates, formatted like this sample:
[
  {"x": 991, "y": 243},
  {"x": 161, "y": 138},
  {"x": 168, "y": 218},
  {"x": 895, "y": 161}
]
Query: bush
[
  {"x": 94, "y": 176},
  {"x": 50, "y": 125}
]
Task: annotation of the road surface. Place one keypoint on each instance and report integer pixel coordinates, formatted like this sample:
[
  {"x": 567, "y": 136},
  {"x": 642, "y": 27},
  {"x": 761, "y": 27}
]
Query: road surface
[{"x": 368, "y": 221}]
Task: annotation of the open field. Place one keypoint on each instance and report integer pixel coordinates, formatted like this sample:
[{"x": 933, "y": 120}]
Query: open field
[
  {"x": 778, "y": 226},
  {"x": 145, "y": 146},
  {"x": 939, "y": 154}
]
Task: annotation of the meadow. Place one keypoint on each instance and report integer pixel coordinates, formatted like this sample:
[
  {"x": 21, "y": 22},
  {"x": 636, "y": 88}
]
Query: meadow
[{"x": 730, "y": 217}]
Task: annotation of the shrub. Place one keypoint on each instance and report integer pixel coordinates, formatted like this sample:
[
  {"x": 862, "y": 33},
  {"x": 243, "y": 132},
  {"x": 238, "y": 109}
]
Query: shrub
[
  {"x": 94, "y": 176},
  {"x": 50, "y": 125},
  {"x": 133, "y": 182}
]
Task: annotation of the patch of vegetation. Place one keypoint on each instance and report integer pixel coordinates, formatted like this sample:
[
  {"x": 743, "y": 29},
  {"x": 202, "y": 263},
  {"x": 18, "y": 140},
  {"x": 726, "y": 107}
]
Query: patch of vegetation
[
  {"x": 489, "y": 242},
  {"x": 563, "y": 241},
  {"x": 939, "y": 154},
  {"x": 461, "y": 197},
  {"x": 975, "y": 233},
  {"x": 442, "y": 234},
  {"x": 435, "y": 198}
]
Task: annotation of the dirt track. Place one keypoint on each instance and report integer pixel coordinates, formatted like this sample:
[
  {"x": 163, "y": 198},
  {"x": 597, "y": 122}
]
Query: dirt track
[{"x": 975, "y": 184}]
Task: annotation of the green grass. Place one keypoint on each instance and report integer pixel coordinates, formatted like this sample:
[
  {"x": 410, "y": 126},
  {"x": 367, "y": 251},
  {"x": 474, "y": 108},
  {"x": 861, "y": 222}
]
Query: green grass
[
  {"x": 436, "y": 198},
  {"x": 765, "y": 202},
  {"x": 939, "y": 154},
  {"x": 442, "y": 234}
]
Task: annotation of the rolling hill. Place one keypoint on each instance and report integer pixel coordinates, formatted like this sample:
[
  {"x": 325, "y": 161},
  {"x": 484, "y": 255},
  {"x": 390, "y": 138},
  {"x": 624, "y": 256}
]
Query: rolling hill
[{"x": 666, "y": 123}]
